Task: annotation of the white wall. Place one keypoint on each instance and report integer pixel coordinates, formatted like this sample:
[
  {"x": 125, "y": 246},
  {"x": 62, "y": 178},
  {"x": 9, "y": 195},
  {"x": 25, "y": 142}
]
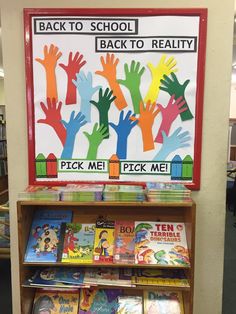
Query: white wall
[{"x": 210, "y": 199}]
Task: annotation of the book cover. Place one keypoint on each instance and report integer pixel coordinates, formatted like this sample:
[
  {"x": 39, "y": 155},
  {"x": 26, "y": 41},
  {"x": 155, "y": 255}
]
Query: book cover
[
  {"x": 78, "y": 243},
  {"x": 108, "y": 276},
  {"x": 162, "y": 243},
  {"x": 130, "y": 305},
  {"x": 99, "y": 301},
  {"x": 124, "y": 242},
  {"x": 163, "y": 302},
  {"x": 52, "y": 277},
  {"x": 160, "y": 277},
  {"x": 45, "y": 234},
  {"x": 70, "y": 275},
  {"x": 104, "y": 242},
  {"x": 48, "y": 302},
  {"x": 4, "y": 230}
]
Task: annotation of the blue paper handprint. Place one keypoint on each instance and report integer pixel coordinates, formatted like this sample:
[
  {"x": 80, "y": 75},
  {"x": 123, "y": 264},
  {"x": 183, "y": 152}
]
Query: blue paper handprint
[
  {"x": 72, "y": 128},
  {"x": 171, "y": 143},
  {"x": 123, "y": 129},
  {"x": 86, "y": 90}
]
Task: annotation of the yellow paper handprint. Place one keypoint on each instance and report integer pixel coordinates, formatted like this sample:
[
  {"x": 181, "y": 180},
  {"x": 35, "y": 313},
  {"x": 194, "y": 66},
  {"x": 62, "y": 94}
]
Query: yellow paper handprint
[{"x": 164, "y": 67}]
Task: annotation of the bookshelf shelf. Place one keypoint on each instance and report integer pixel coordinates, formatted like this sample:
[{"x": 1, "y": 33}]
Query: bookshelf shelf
[{"x": 88, "y": 212}]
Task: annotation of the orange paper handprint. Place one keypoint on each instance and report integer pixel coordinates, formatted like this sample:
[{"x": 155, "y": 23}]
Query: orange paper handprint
[
  {"x": 49, "y": 63},
  {"x": 109, "y": 73},
  {"x": 145, "y": 121}
]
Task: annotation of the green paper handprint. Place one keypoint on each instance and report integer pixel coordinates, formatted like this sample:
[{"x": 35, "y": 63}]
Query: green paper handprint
[
  {"x": 103, "y": 105},
  {"x": 95, "y": 139},
  {"x": 132, "y": 82},
  {"x": 173, "y": 87}
]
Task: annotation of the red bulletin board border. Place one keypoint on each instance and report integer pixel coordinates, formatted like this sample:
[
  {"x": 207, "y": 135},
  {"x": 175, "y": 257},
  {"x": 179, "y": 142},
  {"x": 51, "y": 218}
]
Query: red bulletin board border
[{"x": 29, "y": 13}]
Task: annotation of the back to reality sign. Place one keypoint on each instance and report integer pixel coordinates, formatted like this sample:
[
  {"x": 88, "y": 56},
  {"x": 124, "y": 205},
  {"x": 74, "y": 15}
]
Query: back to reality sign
[{"x": 115, "y": 95}]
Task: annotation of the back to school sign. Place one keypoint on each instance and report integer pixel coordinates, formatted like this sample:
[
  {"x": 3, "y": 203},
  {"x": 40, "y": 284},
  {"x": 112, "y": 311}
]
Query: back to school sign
[{"x": 115, "y": 95}]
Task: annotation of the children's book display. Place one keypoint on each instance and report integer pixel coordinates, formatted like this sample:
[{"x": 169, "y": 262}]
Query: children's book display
[
  {"x": 163, "y": 302},
  {"x": 54, "y": 238},
  {"x": 45, "y": 235},
  {"x": 107, "y": 301},
  {"x": 153, "y": 192},
  {"x": 79, "y": 277},
  {"x": 167, "y": 192},
  {"x": 58, "y": 302},
  {"x": 78, "y": 243},
  {"x": 161, "y": 243}
]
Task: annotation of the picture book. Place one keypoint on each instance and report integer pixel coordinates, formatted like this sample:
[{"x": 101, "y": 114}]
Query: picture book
[
  {"x": 104, "y": 242},
  {"x": 99, "y": 301},
  {"x": 124, "y": 242},
  {"x": 130, "y": 305},
  {"x": 163, "y": 302},
  {"x": 48, "y": 277},
  {"x": 70, "y": 275},
  {"x": 78, "y": 243},
  {"x": 160, "y": 277},
  {"x": 45, "y": 234},
  {"x": 58, "y": 302},
  {"x": 108, "y": 276},
  {"x": 162, "y": 243}
]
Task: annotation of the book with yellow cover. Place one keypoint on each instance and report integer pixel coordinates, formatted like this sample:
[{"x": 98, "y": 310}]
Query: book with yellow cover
[
  {"x": 163, "y": 302},
  {"x": 104, "y": 242},
  {"x": 58, "y": 302}
]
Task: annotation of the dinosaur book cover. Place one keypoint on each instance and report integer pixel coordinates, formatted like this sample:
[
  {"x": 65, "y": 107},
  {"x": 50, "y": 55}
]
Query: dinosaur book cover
[{"x": 162, "y": 243}]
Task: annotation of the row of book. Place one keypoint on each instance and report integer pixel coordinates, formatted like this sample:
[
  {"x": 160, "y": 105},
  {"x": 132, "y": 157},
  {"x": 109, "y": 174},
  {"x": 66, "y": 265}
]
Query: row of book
[
  {"x": 108, "y": 301},
  {"x": 82, "y": 277},
  {"x": 55, "y": 238},
  {"x": 153, "y": 192}
]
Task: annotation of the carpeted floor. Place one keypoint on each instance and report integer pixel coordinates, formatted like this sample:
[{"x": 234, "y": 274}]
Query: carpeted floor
[{"x": 5, "y": 287}]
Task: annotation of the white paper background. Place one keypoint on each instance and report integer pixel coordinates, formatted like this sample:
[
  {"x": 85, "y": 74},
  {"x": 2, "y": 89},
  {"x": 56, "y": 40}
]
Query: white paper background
[{"x": 46, "y": 141}]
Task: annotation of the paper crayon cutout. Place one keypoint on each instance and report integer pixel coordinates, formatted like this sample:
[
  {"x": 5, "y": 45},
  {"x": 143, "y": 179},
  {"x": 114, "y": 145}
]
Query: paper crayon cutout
[
  {"x": 176, "y": 168},
  {"x": 114, "y": 167},
  {"x": 187, "y": 172},
  {"x": 51, "y": 165},
  {"x": 40, "y": 166}
]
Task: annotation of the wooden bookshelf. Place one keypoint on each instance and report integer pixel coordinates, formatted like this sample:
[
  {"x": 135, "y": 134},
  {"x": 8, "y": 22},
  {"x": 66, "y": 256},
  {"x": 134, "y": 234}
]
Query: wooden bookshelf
[{"x": 88, "y": 213}]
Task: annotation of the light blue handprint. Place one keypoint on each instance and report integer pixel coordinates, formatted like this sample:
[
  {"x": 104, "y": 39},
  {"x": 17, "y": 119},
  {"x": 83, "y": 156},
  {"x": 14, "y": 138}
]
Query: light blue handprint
[
  {"x": 171, "y": 143},
  {"x": 72, "y": 128},
  {"x": 86, "y": 90},
  {"x": 123, "y": 129}
]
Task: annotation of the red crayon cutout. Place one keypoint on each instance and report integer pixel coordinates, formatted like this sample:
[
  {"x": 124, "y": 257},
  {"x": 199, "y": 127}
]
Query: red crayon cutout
[{"x": 51, "y": 164}]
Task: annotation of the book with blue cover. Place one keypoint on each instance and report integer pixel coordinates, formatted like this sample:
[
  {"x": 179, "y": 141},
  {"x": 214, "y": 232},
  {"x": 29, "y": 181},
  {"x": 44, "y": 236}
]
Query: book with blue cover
[{"x": 45, "y": 235}]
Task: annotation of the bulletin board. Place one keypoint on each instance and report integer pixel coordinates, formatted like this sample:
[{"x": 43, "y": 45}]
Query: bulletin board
[{"x": 115, "y": 94}]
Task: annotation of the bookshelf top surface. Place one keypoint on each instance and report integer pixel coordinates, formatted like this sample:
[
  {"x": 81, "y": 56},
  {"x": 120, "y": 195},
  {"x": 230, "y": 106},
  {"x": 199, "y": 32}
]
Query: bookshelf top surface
[{"x": 104, "y": 203}]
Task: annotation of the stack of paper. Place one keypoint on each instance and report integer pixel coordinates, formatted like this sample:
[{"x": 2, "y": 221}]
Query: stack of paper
[
  {"x": 40, "y": 192},
  {"x": 167, "y": 192},
  {"x": 82, "y": 192},
  {"x": 123, "y": 193}
]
